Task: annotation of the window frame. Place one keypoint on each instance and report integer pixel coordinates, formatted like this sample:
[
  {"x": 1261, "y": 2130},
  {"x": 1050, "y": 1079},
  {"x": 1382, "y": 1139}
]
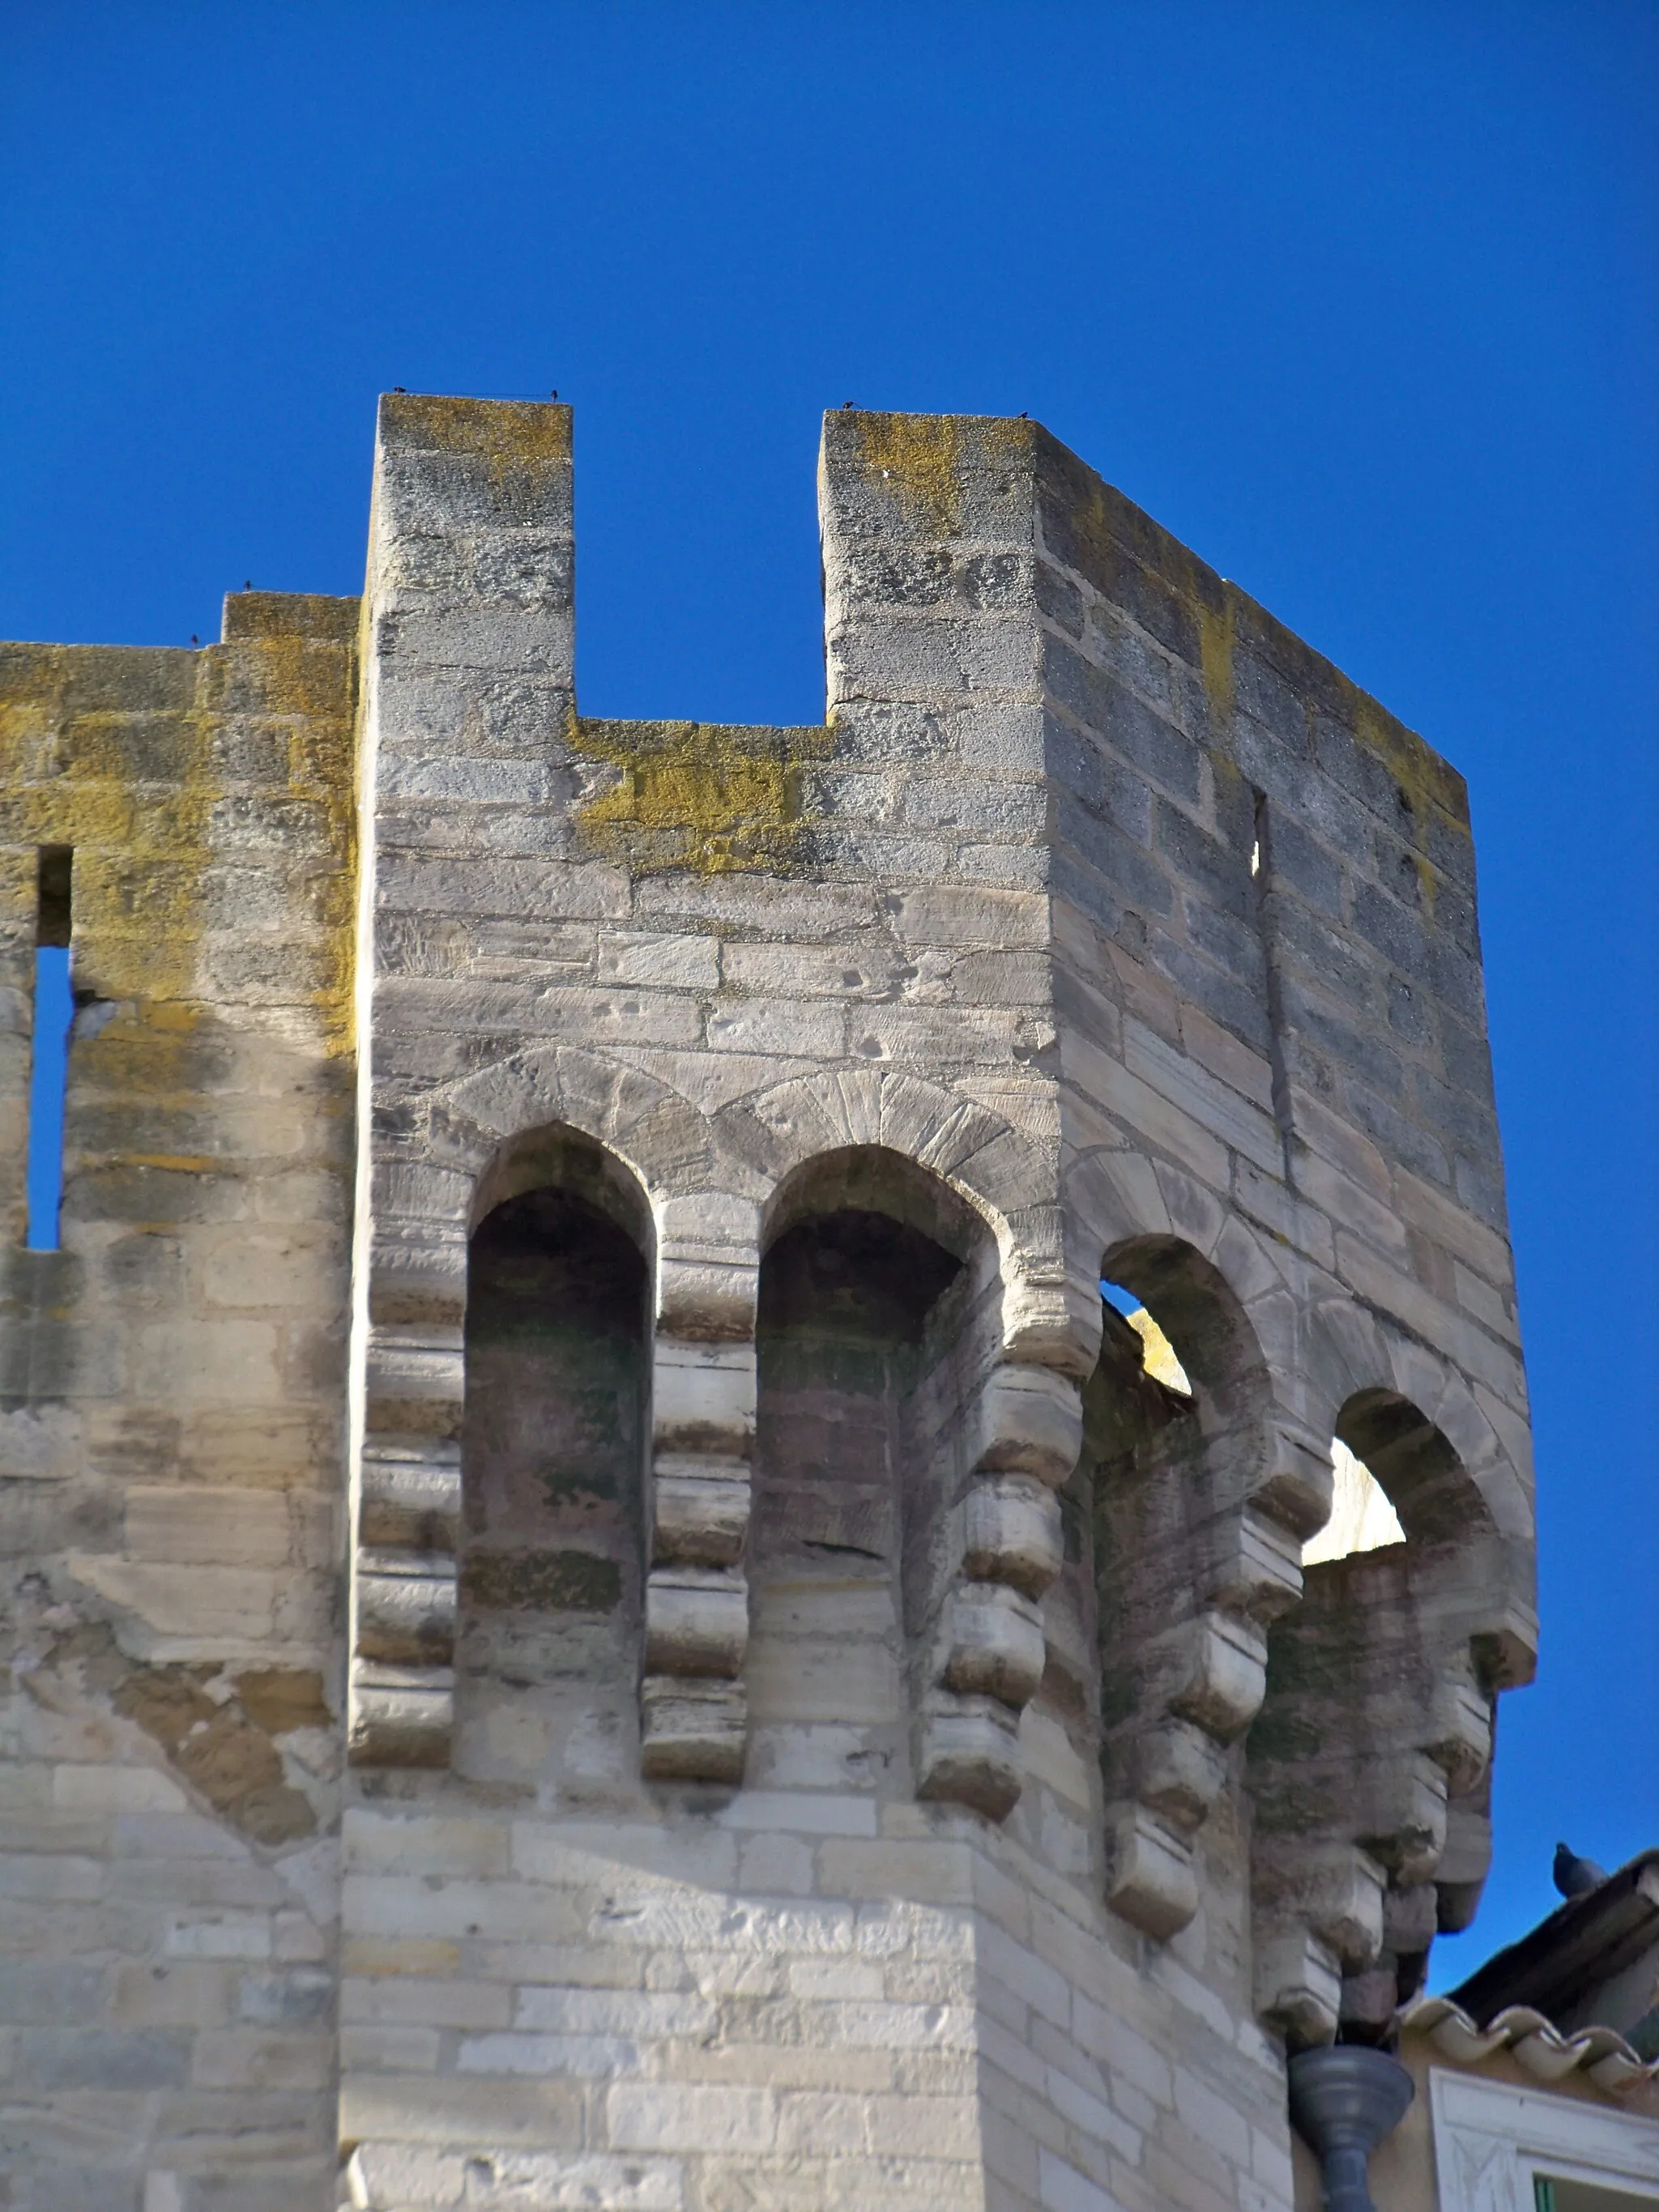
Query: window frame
[{"x": 1491, "y": 2141}]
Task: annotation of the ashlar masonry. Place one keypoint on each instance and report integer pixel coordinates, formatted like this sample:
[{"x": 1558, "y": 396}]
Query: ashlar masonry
[{"x": 601, "y": 1612}]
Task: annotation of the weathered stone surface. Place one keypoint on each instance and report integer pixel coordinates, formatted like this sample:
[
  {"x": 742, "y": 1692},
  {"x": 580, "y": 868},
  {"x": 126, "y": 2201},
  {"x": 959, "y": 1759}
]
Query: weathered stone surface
[{"x": 724, "y": 1675}]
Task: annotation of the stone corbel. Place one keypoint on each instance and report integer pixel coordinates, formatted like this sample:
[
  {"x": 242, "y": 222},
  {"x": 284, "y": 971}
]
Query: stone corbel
[
  {"x": 404, "y": 1596},
  {"x": 1319, "y": 1919},
  {"x": 1296, "y": 1486},
  {"x": 1352, "y": 1841},
  {"x": 693, "y": 1710},
  {"x": 1003, "y": 1548},
  {"x": 693, "y": 1705},
  {"x": 1213, "y": 1671},
  {"x": 1202, "y": 1685}
]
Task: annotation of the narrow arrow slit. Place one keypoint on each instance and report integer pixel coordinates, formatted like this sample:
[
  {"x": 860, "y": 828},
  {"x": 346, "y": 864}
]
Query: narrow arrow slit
[{"x": 53, "y": 1011}]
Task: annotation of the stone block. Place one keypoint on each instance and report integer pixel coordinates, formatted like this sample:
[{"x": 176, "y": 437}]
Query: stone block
[
  {"x": 108, "y": 2059},
  {"x": 406, "y": 1608},
  {"x": 1460, "y": 1734},
  {"x": 801, "y": 1029},
  {"x": 472, "y": 2110},
  {"x": 1151, "y": 1881},
  {"x": 39, "y": 1444},
  {"x": 1179, "y": 1771},
  {"x": 1222, "y": 1671},
  {"x": 1465, "y": 1861},
  {"x": 1012, "y": 1534},
  {"x": 1257, "y": 1566},
  {"x": 697, "y": 1621},
  {"x": 702, "y": 1511},
  {"x": 192, "y": 1526},
  {"x": 395, "y": 2177},
  {"x": 703, "y": 1398},
  {"x": 422, "y": 1843},
  {"x": 1030, "y": 1423},
  {"x": 969, "y": 1755},
  {"x": 705, "y": 1298},
  {"x": 693, "y": 1729},
  {"x": 994, "y": 1643},
  {"x": 411, "y": 1498},
  {"x": 203, "y": 1604},
  {"x": 1296, "y": 1488},
  {"x": 1245, "y": 1127},
  {"x": 706, "y": 2117},
  {"x": 1299, "y": 1988},
  {"x": 400, "y": 1716},
  {"x": 1402, "y": 1816}
]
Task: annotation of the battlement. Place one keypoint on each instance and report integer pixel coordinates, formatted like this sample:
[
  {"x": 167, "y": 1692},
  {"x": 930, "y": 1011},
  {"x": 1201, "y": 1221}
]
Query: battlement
[{"x": 605, "y": 1606}]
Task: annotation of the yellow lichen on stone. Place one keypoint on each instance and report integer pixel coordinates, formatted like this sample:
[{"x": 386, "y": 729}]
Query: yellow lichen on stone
[
  {"x": 323, "y": 617},
  {"x": 919, "y": 458},
  {"x": 713, "y": 798},
  {"x": 1427, "y": 784},
  {"x": 118, "y": 756},
  {"x": 1215, "y": 646},
  {"x": 322, "y": 772},
  {"x": 132, "y": 792},
  {"x": 512, "y": 437}
]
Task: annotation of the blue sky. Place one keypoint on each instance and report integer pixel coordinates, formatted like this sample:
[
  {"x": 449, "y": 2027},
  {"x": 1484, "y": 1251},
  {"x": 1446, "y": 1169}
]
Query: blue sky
[{"x": 1362, "y": 301}]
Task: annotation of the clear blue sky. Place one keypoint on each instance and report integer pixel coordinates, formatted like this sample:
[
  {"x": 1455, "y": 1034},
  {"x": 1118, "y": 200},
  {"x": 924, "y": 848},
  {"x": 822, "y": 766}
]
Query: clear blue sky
[{"x": 1360, "y": 299}]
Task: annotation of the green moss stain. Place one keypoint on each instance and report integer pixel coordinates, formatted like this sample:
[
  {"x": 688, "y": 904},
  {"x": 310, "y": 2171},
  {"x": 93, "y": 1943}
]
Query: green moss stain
[{"x": 711, "y": 798}]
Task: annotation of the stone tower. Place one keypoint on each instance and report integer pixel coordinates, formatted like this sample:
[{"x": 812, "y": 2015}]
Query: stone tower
[{"x": 602, "y": 1613}]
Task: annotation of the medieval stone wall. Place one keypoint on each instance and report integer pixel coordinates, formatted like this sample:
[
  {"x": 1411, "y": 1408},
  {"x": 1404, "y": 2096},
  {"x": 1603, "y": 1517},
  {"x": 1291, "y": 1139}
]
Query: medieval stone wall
[
  {"x": 826, "y": 1726},
  {"x": 173, "y": 1446}
]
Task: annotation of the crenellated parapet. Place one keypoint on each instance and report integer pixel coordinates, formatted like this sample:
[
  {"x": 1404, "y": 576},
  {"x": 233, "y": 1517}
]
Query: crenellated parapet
[
  {"x": 1058, "y": 822},
  {"x": 865, "y": 1237}
]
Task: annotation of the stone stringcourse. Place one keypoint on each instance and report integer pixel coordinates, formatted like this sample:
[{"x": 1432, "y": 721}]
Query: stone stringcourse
[{"x": 600, "y": 1614}]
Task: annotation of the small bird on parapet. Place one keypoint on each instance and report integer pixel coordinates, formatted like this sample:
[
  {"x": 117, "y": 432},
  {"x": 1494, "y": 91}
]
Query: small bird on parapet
[{"x": 1575, "y": 1876}]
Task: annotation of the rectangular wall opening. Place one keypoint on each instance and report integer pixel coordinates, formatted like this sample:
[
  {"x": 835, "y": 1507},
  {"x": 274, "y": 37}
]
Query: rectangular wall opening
[
  {"x": 1264, "y": 891},
  {"x": 54, "y": 1011}
]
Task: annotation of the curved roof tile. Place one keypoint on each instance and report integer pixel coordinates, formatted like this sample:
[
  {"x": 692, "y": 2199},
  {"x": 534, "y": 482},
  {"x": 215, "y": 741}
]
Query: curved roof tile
[{"x": 1600, "y": 2053}]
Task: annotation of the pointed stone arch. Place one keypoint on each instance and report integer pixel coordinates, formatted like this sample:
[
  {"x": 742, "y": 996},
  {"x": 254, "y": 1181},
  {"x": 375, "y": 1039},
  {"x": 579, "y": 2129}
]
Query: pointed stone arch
[
  {"x": 1008, "y": 1176},
  {"x": 412, "y": 1384},
  {"x": 655, "y": 1130},
  {"x": 1114, "y": 1196},
  {"x": 1191, "y": 1554},
  {"x": 1351, "y": 1349},
  {"x": 1367, "y": 1764}
]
